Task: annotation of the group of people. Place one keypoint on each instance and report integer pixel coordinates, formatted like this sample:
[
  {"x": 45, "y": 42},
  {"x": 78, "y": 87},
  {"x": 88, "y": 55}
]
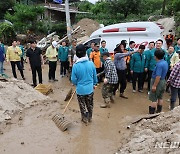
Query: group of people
[
  {"x": 90, "y": 67},
  {"x": 161, "y": 68}
]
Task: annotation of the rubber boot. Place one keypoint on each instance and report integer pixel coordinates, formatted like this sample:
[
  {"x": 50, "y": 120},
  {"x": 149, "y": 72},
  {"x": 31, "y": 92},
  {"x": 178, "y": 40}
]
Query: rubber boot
[
  {"x": 172, "y": 104},
  {"x": 84, "y": 118},
  {"x": 106, "y": 104},
  {"x": 159, "y": 108},
  {"x": 151, "y": 110},
  {"x": 112, "y": 99}
]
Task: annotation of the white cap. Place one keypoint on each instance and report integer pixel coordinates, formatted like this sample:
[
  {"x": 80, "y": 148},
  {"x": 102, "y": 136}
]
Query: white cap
[{"x": 54, "y": 44}]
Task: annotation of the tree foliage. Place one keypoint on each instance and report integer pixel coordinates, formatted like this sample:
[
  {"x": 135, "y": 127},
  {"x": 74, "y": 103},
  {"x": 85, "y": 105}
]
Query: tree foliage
[
  {"x": 4, "y": 6},
  {"x": 25, "y": 17},
  {"x": 6, "y": 32}
]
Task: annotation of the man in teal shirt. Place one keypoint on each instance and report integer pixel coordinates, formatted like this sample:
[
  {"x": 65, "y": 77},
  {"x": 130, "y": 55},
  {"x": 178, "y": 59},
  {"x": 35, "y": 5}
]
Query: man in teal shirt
[
  {"x": 103, "y": 49},
  {"x": 63, "y": 57},
  {"x": 130, "y": 49},
  {"x": 177, "y": 47},
  {"x": 91, "y": 49},
  {"x": 151, "y": 62},
  {"x": 2, "y": 45},
  {"x": 137, "y": 65},
  {"x": 147, "y": 54},
  {"x": 22, "y": 55}
]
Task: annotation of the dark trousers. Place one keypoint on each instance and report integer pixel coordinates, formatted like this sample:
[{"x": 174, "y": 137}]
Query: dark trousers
[
  {"x": 22, "y": 62},
  {"x": 138, "y": 76},
  {"x": 167, "y": 77},
  {"x": 121, "y": 81},
  {"x": 144, "y": 78},
  {"x": 98, "y": 70},
  {"x": 52, "y": 69},
  {"x": 63, "y": 67},
  {"x": 13, "y": 66},
  {"x": 174, "y": 93},
  {"x": 149, "y": 79},
  {"x": 129, "y": 76},
  {"x": 86, "y": 104},
  {"x": 37, "y": 69}
]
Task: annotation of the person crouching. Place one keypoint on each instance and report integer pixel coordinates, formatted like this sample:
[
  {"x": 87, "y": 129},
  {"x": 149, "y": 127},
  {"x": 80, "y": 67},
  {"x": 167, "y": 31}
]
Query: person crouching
[
  {"x": 84, "y": 77},
  {"x": 110, "y": 81}
]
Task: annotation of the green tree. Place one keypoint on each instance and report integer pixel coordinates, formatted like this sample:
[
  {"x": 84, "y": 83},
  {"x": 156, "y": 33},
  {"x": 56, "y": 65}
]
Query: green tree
[
  {"x": 6, "y": 32},
  {"x": 100, "y": 7},
  {"x": 4, "y": 6},
  {"x": 125, "y": 7},
  {"x": 25, "y": 17},
  {"x": 84, "y": 6}
]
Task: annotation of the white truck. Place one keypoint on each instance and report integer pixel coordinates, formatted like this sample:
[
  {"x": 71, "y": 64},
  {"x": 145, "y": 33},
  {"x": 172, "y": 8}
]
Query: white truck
[{"x": 140, "y": 32}]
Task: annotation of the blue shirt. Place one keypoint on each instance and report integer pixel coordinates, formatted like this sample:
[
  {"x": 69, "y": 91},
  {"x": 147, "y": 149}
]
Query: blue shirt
[
  {"x": 84, "y": 76},
  {"x": 2, "y": 58},
  {"x": 3, "y": 48},
  {"x": 160, "y": 69},
  {"x": 119, "y": 61}
]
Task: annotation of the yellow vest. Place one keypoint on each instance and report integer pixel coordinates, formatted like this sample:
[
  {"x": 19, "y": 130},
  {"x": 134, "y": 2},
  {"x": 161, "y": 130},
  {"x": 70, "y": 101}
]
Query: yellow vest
[
  {"x": 51, "y": 53},
  {"x": 13, "y": 53}
]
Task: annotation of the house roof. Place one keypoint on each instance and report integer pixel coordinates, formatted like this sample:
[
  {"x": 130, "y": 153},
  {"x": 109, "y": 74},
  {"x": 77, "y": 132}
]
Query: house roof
[{"x": 61, "y": 8}]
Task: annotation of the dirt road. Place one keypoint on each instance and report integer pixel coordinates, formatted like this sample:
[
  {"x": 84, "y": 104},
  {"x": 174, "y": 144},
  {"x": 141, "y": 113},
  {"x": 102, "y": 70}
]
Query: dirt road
[{"x": 33, "y": 131}]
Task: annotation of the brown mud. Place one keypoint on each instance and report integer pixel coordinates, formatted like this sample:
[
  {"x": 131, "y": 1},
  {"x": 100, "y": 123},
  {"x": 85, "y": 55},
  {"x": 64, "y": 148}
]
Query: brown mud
[{"x": 32, "y": 131}]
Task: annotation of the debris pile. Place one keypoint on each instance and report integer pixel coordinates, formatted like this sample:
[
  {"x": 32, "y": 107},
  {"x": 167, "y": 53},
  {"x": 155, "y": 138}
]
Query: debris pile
[
  {"x": 16, "y": 95},
  {"x": 158, "y": 135},
  {"x": 168, "y": 24},
  {"x": 87, "y": 27}
]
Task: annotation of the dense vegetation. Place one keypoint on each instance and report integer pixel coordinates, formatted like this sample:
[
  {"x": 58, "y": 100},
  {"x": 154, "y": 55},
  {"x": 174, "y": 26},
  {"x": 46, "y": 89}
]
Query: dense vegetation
[{"x": 115, "y": 11}]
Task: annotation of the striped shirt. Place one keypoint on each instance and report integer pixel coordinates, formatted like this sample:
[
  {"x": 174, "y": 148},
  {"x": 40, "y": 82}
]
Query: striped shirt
[
  {"x": 110, "y": 71},
  {"x": 174, "y": 78}
]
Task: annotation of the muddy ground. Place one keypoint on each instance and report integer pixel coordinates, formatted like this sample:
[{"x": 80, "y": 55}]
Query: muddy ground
[{"x": 32, "y": 131}]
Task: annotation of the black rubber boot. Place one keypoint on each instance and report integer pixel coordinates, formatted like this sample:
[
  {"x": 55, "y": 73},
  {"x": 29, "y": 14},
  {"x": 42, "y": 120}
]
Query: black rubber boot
[
  {"x": 151, "y": 110},
  {"x": 172, "y": 105},
  {"x": 159, "y": 108}
]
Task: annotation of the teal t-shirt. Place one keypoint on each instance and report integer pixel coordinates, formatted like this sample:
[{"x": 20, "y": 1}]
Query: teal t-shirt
[
  {"x": 176, "y": 48},
  {"x": 102, "y": 50},
  {"x": 63, "y": 53},
  {"x": 88, "y": 51}
]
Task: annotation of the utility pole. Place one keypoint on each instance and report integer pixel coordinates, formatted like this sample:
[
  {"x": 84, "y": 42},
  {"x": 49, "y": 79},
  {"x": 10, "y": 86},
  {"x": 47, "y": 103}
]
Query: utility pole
[
  {"x": 68, "y": 21},
  {"x": 163, "y": 7}
]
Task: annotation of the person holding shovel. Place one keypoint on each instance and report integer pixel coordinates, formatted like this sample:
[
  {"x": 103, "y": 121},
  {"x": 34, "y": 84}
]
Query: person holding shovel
[{"x": 84, "y": 77}]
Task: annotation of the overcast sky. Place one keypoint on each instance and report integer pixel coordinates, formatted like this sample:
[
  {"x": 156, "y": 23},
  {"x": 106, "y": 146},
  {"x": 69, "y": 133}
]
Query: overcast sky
[{"x": 93, "y": 1}]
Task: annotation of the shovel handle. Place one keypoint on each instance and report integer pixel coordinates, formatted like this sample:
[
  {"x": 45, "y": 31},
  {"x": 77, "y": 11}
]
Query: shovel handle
[{"x": 69, "y": 102}]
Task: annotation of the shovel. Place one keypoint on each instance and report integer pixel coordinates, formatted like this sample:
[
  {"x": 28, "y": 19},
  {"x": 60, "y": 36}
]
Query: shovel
[{"x": 60, "y": 120}]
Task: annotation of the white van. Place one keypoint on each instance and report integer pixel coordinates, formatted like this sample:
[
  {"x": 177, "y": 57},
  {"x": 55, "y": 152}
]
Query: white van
[{"x": 140, "y": 32}]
